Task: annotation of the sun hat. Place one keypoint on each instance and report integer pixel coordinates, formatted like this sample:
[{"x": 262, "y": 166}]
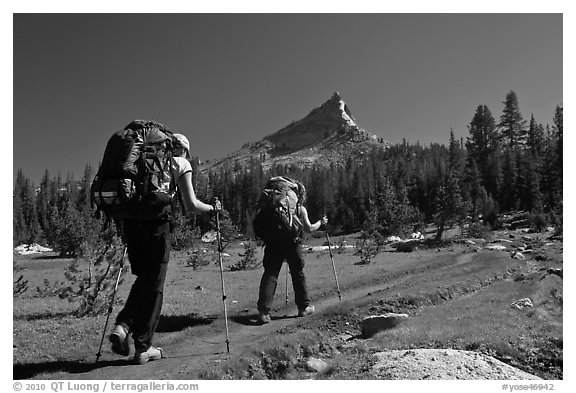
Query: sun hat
[{"x": 184, "y": 143}]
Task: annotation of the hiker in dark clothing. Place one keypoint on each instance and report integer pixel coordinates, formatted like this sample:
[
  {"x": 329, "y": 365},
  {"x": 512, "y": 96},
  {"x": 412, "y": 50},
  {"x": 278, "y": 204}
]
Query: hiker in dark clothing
[
  {"x": 276, "y": 252},
  {"x": 148, "y": 244}
]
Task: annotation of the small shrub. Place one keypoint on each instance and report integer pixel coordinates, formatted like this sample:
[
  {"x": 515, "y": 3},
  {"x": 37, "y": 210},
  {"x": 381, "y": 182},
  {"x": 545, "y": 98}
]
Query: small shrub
[
  {"x": 248, "y": 259},
  {"x": 277, "y": 363},
  {"x": 406, "y": 246},
  {"x": 556, "y": 220},
  {"x": 197, "y": 259},
  {"x": 72, "y": 230},
  {"x": 183, "y": 235},
  {"x": 490, "y": 217},
  {"x": 367, "y": 247},
  {"x": 91, "y": 280},
  {"x": 57, "y": 288},
  {"x": 19, "y": 285},
  {"x": 477, "y": 230},
  {"x": 538, "y": 222},
  {"x": 341, "y": 246}
]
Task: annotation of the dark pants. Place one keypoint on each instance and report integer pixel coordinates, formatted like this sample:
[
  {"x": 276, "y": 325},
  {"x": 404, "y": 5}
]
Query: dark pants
[
  {"x": 148, "y": 251},
  {"x": 274, "y": 257}
]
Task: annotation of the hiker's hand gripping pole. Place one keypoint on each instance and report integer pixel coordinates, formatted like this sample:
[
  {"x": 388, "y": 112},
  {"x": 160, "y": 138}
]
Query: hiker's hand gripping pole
[
  {"x": 220, "y": 249},
  {"x": 111, "y": 304},
  {"x": 333, "y": 265}
]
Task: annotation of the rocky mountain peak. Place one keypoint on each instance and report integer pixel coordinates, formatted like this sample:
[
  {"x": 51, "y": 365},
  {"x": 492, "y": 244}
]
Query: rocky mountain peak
[
  {"x": 326, "y": 135},
  {"x": 330, "y": 118}
]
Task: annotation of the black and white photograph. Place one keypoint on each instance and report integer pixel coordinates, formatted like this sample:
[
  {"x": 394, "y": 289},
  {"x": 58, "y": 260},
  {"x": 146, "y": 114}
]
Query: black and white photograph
[{"x": 205, "y": 196}]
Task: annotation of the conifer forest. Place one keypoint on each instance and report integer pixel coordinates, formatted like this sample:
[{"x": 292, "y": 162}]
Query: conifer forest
[{"x": 503, "y": 164}]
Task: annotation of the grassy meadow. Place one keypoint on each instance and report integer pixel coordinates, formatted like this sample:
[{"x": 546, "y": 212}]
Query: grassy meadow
[{"x": 457, "y": 296}]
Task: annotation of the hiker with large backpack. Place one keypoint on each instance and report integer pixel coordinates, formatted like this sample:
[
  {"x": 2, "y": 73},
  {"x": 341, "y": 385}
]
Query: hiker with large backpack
[
  {"x": 280, "y": 221},
  {"x": 143, "y": 167}
]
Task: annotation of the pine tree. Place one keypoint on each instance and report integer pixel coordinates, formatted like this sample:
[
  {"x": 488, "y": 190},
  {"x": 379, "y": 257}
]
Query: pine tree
[
  {"x": 42, "y": 201},
  {"x": 559, "y": 162},
  {"x": 473, "y": 188},
  {"x": 549, "y": 161},
  {"x": 18, "y": 224},
  {"x": 483, "y": 147},
  {"x": 509, "y": 191},
  {"x": 26, "y": 225},
  {"x": 535, "y": 139},
  {"x": 456, "y": 155},
  {"x": 557, "y": 193},
  {"x": 494, "y": 177},
  {"x": 513, "y": 126},
  {"x": 83, "y": 198},
  {"x": 450, "y": 205},
  {"x": 489, "y": 209},
  {"x": 529, "y": 184}
]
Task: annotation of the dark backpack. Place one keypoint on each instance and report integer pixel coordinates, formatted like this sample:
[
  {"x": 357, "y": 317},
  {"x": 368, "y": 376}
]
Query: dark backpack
[
  {"x": 135, "y": 178},
  {"x": 276, "y": 219}
]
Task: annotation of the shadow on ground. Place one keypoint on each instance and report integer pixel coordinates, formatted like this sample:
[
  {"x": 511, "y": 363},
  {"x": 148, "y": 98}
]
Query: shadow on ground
[
  {"x": 43, "y": 316},
  {"x": 25, "y": 371},
  {"x": 252, "y": 319},
  {"x": 49, "y": 257},
  {"x": 175, "y": 323}
]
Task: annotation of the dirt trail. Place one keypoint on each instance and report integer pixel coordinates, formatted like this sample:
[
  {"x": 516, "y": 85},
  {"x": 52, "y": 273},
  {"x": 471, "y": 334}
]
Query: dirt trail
[{"x": 184, "y": 359}]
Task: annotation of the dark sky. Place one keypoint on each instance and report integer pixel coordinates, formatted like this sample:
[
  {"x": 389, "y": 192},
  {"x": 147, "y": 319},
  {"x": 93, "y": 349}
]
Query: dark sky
[{"x": 227, "y": 79}]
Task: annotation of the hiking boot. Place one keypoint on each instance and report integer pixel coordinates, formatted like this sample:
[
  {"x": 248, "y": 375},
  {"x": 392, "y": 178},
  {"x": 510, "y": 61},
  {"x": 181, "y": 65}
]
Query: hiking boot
[
  {"x": 264, "y": 318},
  {"x": 142, "y": 356},
  {"x": 304, "y": 312},
  {"x": 119, "y": 340}
]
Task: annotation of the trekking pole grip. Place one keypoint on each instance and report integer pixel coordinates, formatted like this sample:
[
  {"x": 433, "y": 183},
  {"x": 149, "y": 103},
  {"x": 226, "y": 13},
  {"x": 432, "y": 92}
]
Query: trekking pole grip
[
  {"x": 218, "y": 229},
  {"x": 217, "y": 205}
]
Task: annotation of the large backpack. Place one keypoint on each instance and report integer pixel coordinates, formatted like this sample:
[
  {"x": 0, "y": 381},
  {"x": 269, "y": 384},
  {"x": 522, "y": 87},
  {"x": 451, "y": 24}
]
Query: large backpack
[
  {"x": 135, "y": 178},
  {"x": 276, "y": 219}
]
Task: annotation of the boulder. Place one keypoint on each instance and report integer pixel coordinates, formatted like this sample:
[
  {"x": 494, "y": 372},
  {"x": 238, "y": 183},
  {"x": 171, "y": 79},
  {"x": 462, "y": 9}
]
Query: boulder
[
  {"x": 317, "y": 365},
  {"x": 522, "y": 304},
  {"x": 519, "y": 256},
  {"x": 27, "y": 249},
  {"x": 496, "y": 247},
  {"x": 209, "y": 237},
  {"x": 417, "y": 235},
  {"x": 345, "y": 337},
  {"x": 377, "y": 323},
  {"x": 443, "y": 365}
]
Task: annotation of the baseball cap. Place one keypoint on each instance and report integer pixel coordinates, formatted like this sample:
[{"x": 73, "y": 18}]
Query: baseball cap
[{"x": 184, "y": 142}]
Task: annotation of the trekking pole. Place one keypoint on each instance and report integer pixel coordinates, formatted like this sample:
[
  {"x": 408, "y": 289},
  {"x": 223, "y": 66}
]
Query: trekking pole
[
  {"x": 287, "y": 268},
  {"x": 333, "y": 266},
  {"x": 222, "y": 275},
  {"x": 111, "y": 304}
]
